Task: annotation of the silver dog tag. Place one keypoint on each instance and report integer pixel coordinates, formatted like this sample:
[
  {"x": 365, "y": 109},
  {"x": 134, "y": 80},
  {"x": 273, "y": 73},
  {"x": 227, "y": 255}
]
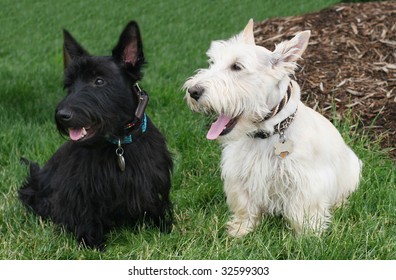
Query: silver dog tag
[
  {"x": 120, "y": 158},
  {"x": 283, "y": 149},
  {"x": 121, "y": 162}
]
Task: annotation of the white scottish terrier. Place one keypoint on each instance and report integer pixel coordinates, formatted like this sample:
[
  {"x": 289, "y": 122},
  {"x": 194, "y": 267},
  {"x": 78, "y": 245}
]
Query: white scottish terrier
[{"x": 279, "y": 156}]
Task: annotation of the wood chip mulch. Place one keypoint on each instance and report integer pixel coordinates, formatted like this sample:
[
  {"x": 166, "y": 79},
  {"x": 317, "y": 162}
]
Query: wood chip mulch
[{"x": 349, "y": 65}]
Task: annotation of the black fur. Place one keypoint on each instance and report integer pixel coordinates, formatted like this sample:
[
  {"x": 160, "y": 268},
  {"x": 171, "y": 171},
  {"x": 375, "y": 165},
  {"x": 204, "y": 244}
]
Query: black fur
[{"x": 82, "y": 186}]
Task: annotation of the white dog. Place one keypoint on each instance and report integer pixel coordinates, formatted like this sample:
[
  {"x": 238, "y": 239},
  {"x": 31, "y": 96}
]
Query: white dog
[{"x": 279, "y": 156}]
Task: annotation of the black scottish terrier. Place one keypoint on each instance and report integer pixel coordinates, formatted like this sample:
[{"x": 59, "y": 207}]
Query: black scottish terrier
[{"x": 116, "y": 168}]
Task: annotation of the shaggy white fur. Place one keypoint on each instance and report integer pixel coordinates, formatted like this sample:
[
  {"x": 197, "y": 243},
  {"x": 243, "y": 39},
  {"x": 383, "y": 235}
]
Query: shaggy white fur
[{"x": 242, "y": 84}]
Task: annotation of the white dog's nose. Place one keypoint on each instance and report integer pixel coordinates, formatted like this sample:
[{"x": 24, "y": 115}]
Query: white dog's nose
[{"x": 195, "y": 92}]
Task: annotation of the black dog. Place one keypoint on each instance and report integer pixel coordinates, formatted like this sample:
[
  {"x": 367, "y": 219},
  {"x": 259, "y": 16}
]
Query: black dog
[{"x": 116, "y": 169}]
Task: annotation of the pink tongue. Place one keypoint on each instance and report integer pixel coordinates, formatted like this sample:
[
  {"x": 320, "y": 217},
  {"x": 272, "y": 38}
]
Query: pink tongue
[
  {"x": 217, "y": 127},
  {"x": 75, "y": 133}
]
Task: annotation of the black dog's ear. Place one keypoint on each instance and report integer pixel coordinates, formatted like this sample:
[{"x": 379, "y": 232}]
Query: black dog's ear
[
  {"x": 129, "y": 49},
  {"x": 71, "y": 48}
]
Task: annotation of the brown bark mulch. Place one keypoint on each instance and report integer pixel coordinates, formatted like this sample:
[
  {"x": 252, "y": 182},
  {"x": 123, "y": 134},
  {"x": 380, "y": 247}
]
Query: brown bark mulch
[{"x": 349, "y": 65}]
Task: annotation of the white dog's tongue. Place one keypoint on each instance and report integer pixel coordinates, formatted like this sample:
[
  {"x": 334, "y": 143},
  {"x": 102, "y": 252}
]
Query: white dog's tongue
[
  {"x": 76, "y": 133},
  {"x": 217, "y": 127}
]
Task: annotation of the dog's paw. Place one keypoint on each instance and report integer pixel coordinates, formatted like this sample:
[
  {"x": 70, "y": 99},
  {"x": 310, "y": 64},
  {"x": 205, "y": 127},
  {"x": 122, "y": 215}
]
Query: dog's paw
[
  {"x": 313, "y": 225},
  {"x": 238, "y": 228}
]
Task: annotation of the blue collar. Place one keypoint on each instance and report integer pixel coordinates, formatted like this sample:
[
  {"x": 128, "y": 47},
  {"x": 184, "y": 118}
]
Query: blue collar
[
  {"x": 138, "y": 125},
  {"x": 131, "y": 132}
]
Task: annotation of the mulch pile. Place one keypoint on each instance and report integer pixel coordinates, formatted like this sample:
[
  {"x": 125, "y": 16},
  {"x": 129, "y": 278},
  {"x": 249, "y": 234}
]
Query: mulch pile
[{"x": 350, "y": 62}]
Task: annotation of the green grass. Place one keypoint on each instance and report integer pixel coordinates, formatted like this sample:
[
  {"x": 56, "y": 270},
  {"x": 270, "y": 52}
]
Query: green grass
[{"x": 176, "y": 35}]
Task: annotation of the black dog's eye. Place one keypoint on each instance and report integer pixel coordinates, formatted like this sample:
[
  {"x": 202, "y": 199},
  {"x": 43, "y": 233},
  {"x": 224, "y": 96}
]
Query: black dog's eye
[
  {"x": 236, "y": 67},
  {"x": 99, "y": 82}
]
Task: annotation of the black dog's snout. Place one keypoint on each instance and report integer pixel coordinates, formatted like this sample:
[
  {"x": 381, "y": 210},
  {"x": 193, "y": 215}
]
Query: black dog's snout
[
  {"x": 64, "y": 115},
  {"x": 195, "y": 92}
]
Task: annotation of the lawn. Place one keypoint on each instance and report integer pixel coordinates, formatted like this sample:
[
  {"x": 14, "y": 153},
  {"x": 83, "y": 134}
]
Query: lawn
[{"x": 176, "y": 35}]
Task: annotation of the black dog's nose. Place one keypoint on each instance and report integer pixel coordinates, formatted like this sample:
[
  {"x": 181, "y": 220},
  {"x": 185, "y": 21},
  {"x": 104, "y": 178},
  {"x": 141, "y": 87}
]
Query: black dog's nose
[
  {"x": 64, "y": 115},
  {"x": 195, "y": 92}
]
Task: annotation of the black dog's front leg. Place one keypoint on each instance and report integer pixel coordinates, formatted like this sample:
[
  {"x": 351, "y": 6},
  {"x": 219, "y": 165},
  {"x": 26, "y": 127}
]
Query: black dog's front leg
[
  {"x": 81, "y": 216},
  {"x": 91, "y": 235},
  {"x": 162, "y": 216},
  {"x": 78, "y": 211}
]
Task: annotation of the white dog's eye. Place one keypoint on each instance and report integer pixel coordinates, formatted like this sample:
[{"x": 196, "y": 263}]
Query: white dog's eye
[{"x": 236, "y": 67}]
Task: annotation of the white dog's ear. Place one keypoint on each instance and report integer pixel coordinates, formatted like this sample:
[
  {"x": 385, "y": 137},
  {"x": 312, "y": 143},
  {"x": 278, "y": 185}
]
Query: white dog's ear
[
  {"x": 247, "y": 33},
  {"x": 291, "y": 51}
]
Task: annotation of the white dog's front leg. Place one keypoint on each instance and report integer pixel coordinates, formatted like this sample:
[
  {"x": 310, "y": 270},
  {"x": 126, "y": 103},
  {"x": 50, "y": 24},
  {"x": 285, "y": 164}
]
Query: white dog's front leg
[
  {"x": 245, "y": 213},
  {"x": 309, "y": 219}
]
